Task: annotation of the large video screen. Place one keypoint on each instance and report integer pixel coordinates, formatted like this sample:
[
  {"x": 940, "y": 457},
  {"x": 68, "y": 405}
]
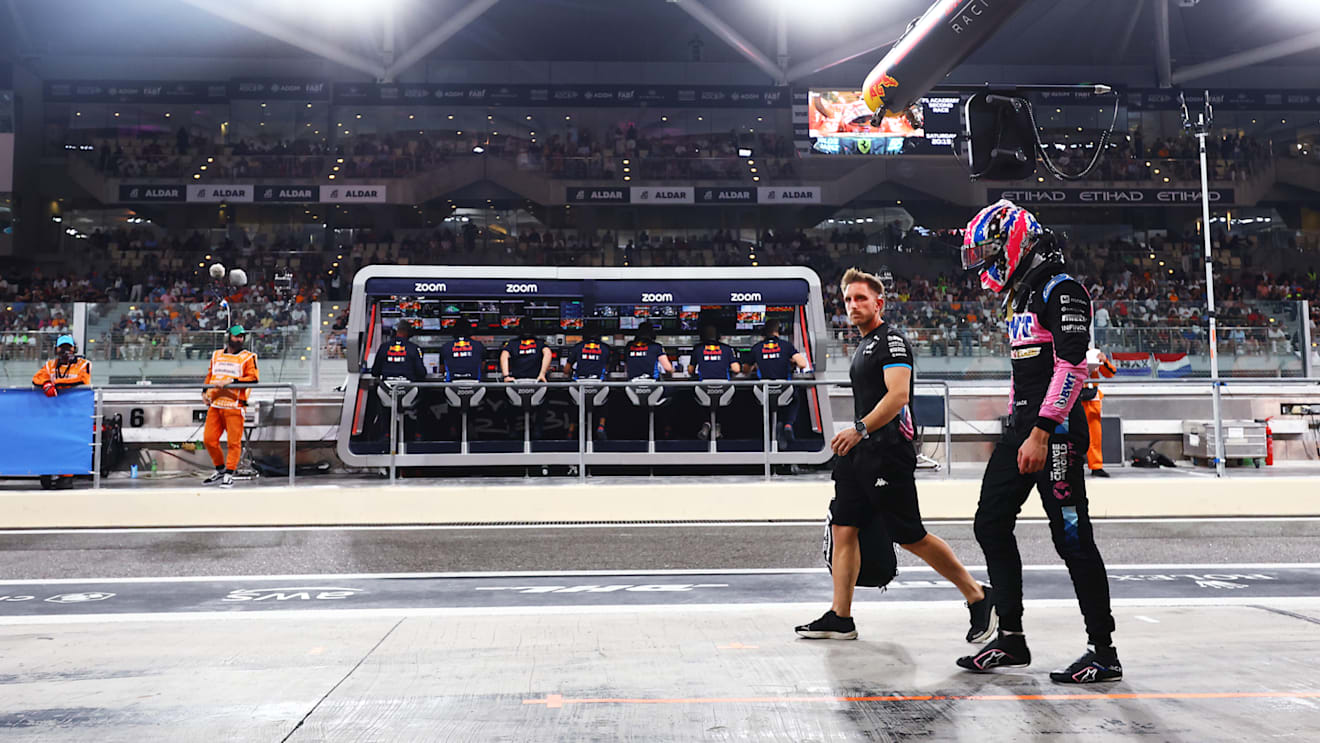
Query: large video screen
[{"x": 839, "y": 123}]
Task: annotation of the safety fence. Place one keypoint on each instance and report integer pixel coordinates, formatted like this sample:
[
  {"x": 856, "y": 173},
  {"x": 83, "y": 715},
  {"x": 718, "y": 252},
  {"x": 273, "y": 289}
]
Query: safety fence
[{"x": 99, "y": 392}]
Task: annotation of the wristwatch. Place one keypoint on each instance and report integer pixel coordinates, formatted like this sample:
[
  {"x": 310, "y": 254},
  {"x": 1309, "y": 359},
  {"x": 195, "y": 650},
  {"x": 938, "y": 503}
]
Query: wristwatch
[{"x": 860, "y": 427}]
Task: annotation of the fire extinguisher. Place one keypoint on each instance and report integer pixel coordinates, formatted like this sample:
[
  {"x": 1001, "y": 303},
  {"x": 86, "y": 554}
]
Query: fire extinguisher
[{"x": 1269, "y": 444}]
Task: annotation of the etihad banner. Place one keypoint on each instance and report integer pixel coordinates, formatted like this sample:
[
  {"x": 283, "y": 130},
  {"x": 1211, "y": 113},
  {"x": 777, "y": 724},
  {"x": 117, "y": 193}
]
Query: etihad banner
[
  {"x": 1110, "y": 196},
  {"x": 215, "y": 193},
  {"x": 354, "y": 194}
]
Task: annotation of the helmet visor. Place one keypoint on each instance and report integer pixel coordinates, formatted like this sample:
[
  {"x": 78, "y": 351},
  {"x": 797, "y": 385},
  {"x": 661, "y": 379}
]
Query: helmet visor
[{"x": 977, "y": 255}]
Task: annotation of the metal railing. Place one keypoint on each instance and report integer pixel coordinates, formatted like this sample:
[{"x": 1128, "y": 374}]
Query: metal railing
[
  {"x": 97, "y": 416},
  {"x": 396, "y": 387}
]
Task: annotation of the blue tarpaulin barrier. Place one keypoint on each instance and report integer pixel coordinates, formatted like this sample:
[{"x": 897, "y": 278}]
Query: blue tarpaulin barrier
[{"x": 42, "y": 435}]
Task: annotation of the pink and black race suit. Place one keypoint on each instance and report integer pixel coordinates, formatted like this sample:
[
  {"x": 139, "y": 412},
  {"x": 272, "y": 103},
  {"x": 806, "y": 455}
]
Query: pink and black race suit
[{"x": 1049, "y": 332}]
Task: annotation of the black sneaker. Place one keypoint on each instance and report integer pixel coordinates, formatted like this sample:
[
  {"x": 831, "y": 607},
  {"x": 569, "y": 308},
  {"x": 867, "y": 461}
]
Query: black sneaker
[
  {"x": 984, "y": 618},
  {"x": 1099, "y": 473},
  {"x": 227, "y": 480},
  {"x": 1089, "y": 669},
  {"x": 214, "y": 478},
  {"x": 830, "y": 626},
  {"x": 1005, "y": 651}
]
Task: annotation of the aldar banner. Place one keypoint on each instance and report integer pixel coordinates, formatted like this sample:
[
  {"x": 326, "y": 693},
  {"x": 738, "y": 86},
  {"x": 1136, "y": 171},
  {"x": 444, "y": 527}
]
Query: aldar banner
[
  {"x": 354, "y": 194},
  {"x": 136, "y": 192},
  {"x": 216, "y": 193},
  {"x": 662, "y": 195},
  {"x": 288, "y": 193},
  {"x": 789, "y": 194}
]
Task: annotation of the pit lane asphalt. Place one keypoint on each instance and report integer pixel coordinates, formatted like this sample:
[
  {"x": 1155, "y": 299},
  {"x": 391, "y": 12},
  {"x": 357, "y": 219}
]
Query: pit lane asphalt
[{"x": 342, "y": 550}]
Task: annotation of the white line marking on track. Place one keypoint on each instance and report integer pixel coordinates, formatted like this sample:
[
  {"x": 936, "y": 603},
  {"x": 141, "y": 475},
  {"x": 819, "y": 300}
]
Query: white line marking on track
[
  {"x": 1145, "y": 618},
  {"x": 1198, "y": 567},
  {"x": 663, "y": 525},
  {"x": 338, "y": 615}
]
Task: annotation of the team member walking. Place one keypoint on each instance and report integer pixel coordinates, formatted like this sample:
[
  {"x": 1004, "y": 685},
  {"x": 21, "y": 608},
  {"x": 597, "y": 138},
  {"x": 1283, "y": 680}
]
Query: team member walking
[
  {"x": 230, "y": 364},
  {"x": 1042, "y": 445},
  {"x": 875, "y": 468}
]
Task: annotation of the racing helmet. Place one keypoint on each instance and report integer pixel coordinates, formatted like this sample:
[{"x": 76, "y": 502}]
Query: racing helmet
[{"x": 997, "y": 241}]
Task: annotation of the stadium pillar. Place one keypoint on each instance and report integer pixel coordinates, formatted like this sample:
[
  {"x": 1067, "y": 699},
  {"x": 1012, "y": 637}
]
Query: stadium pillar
[
  {"x": 1162, "y": 58},
  {"x": 33, "y": 233},
  {"x": 1308, "y": 353}
]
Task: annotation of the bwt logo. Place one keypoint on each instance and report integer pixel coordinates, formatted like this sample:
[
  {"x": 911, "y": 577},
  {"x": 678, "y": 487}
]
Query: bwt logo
[
  {"x": 1021, "y": 327},
  {"x": 422, "y": 286},
  {"x": 520, "y": 289},
  {"x": 744, "y": 296},
  {"x": 657, "y": 297}
]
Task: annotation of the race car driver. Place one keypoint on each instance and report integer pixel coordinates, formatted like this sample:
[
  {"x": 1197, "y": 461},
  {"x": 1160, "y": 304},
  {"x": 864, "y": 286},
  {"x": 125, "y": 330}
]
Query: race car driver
[{"x": 1044, "y": 442}]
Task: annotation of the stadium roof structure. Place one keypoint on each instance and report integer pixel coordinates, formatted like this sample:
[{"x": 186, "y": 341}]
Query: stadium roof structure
[{"x": 764, "y": 41}]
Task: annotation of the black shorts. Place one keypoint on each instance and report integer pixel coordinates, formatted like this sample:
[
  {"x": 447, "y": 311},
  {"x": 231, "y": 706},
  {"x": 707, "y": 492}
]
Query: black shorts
[{"x": 864, "y": 487}]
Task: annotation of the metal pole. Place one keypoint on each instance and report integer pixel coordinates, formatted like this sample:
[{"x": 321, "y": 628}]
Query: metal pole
[
  {"x": 1306, "y": 338},
  {"x": 96, "y": 438},
  {"x": 948, "y": 432},
  {"x": 582, "y": 431},
  {"x": 315, "y": 381},
  {"x": 765, "y": 423},
  {"x": 1201, "y": 133},
  {"x": 293, "y": 433},
  {"x": 394, "y": 443}
]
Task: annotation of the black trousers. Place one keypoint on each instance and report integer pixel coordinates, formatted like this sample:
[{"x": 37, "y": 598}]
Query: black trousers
[{"x": 1062, "y": 488}]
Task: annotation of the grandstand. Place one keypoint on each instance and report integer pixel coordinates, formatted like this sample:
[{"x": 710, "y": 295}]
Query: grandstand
[{"x": 479, "y": 547}]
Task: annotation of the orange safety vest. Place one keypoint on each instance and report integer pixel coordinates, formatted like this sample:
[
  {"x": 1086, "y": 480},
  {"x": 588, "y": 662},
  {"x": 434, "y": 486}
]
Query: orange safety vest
[
  {"x": 231, "y": 367},
  {"x": 75, "y": 373},
  {"x": 1105, "y": 369}
]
